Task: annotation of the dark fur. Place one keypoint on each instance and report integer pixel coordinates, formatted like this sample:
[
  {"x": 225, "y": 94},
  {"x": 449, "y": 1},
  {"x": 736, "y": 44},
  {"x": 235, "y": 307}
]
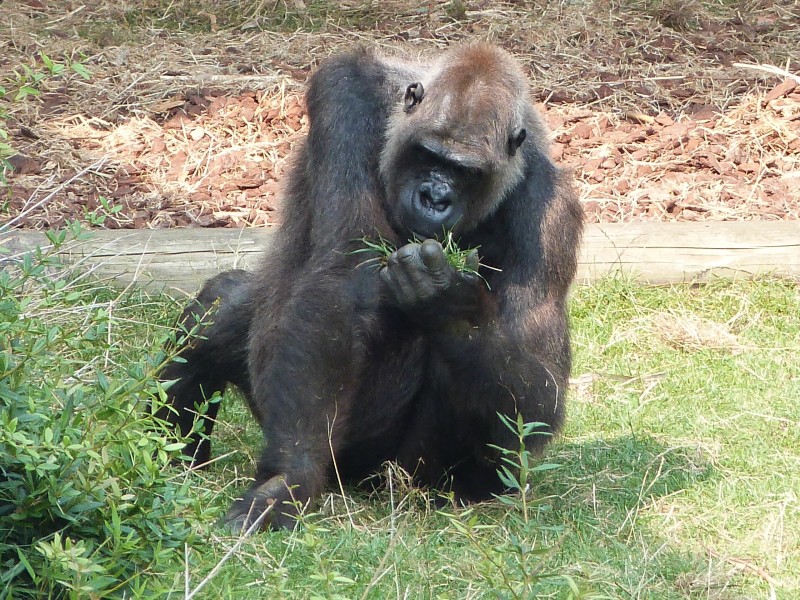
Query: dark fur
[
  {"x": 416, "y": 364},
  {"x": 213, "y": 339}
]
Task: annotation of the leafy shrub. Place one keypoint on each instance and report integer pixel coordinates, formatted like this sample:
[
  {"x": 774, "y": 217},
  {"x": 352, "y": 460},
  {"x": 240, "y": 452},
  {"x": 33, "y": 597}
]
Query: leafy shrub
[
  {"x": 509, "y": 555},
  {"x": 86, "y": 505}
]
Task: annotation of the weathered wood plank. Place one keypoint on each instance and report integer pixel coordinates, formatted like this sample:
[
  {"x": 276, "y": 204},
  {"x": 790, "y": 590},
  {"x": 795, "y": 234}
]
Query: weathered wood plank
[
  {"x": 179, "y": 260},
  {"x": 173, "y": 260},
  {"x": 684, "y": 251}
]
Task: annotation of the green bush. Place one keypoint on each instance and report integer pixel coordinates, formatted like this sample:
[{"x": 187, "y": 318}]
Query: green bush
[{"x": 87, "y": 507}]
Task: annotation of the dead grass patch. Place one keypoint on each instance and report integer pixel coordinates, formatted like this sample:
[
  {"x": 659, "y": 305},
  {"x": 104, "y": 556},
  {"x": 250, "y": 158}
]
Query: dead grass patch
[
  {"x": 689, "y": 332},
  {"x": 195, "y": 116}
]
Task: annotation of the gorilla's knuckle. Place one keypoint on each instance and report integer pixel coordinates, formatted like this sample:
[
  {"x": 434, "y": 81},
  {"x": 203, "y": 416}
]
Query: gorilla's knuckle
[
  {"x": 408, "y": 253},
  {"x": 432, "y": 255}
]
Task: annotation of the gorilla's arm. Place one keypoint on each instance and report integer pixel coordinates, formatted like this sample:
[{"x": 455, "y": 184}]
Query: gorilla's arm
[
  {"x": 488, "y": 352},
  {"x": 505, "y": 349}
]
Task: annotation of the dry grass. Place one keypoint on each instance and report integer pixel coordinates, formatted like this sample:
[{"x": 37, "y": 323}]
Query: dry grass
[
  {"x": 654, "y": 115},
  {"x": 691, "y": 333}
]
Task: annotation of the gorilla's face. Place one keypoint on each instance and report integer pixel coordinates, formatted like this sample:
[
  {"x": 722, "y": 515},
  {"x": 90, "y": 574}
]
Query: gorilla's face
[
  {"x": 451, "y": 155},
  {"x": 432, "y": 192}
]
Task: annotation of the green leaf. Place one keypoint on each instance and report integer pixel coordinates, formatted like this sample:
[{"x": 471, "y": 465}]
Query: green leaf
[
  {"x": 545, "y": 467},
  {"x": 174, "y": 447},
  {"x": 81, "y": 70},
  {"x": 26, "y": 91}
]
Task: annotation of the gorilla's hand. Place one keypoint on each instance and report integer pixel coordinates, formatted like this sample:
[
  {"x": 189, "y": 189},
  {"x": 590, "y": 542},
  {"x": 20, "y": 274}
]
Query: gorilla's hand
[{"x": 422, "y": 283}]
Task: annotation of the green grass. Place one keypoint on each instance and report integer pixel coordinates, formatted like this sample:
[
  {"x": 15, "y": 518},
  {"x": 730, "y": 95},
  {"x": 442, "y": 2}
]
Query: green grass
[
  {"x": 377, "y": 252},
  {"x": 677, "y": 474}
]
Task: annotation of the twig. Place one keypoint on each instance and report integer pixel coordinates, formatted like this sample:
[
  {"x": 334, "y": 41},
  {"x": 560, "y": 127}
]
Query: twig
[
  {"x": 211, "y": 78},
  {"x": 381, "y": 570},
  {"x": 92, "y": 167},
  {"x": 213, "y": 573},
  {"x": 769, "y": 69},
  {"x": 336, "y": 466},
  {"x": 746, "y": 565}
]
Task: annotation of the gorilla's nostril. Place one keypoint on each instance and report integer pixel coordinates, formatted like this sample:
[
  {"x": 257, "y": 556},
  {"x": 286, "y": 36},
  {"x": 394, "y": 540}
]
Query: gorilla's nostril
[
  {"x": 442, "y": 204},
  {"x": 425, "y": 198}
]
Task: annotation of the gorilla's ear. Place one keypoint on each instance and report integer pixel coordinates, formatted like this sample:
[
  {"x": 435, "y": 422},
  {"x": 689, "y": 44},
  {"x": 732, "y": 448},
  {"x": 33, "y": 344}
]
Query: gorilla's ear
[
  {"x": 414, "y": 94},
  {"x": 515, "y": 141}
]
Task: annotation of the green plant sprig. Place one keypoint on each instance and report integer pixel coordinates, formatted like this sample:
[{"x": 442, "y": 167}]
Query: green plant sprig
[
  {"x": 458, "y": 258},
  {"x": 25, "y": 84}
]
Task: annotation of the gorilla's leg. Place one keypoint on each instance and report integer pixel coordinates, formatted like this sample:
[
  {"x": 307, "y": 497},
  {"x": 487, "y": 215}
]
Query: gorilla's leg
[
  {"x": 306, "y": 364},
  {"x": 213, "y": 352},
  {"x": 443, "y": 451}
]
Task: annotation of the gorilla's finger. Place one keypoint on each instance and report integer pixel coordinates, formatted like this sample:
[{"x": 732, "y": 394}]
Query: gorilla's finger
[
  {"x": 473, "y": 261},
  {"x": 432, "y": 255},
  {"x": 386, "y": 275},
  {"x": 396, "y": 277},
  {"x": 406, "y": 254},
  {"x": 408, "y": 259}
]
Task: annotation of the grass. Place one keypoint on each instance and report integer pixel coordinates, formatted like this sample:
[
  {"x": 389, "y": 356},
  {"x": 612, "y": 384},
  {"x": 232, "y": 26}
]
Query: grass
[
  {"x": 675, "y": 479},
  {"x": 464, "y": 260},
  {"x": 675, "y": 476},
  {"x": 128, "y": 19},
  {"x": 712, "y": 428}
]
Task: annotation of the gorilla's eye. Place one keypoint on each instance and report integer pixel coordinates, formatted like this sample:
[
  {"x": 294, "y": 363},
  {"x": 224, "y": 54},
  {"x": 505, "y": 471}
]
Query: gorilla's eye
[
  {"x": 515, "y": 141},
  {"x": 414, "y": 95}
]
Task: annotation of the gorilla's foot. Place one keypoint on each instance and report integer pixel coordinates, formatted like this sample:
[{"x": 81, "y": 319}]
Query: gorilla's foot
[{"x": 266, "y": 504}]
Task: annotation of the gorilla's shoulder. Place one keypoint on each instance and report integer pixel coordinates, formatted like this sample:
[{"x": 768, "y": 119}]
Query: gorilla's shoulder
[{"x": 361, "y": 61}]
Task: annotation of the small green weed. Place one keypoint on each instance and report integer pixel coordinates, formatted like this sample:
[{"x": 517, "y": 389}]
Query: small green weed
[{"x": 24, "y": 85}]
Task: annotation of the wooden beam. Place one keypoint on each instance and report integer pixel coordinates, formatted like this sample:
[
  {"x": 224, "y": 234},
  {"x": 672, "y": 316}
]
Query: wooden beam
[
  {"x": 179, "y": 260},
  {"x": 690, "y": 251}
]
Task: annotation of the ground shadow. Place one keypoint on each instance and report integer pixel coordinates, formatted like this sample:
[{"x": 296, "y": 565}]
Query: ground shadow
[{"x": 616, "y": 499}]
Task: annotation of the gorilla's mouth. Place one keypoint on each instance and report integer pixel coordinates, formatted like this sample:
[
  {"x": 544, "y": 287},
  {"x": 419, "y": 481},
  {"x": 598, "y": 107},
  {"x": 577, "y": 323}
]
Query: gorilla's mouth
[{"x": 426, "y": 215}]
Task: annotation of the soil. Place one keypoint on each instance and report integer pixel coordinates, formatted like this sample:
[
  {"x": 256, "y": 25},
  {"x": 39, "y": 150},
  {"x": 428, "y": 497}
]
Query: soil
[{"x": 658, "y": 119}]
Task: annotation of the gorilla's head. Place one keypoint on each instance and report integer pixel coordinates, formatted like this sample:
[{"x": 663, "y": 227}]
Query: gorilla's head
[{"x": 452, "y": 148}]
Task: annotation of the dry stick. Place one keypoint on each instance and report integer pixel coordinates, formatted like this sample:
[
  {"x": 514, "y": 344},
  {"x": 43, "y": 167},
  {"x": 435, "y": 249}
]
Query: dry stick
[
  {"x": 213, "y": 573},
  {"x": 746, "y": 565},
  {"x": 381, "y": 570},
  {"x": 186, "y": 570},
  {"x": 392, "y": 515},
  {"x": 196, "y": 468},
  {"x": 211, "y": 78},
  {"x": 336, "y": 467},
  {"x": 769, "y": 69},
  {"x": 122, "y": 293},
  {"x": 92, "y": 167},
  {"x": 65, "y": 17},
  {"x": 124, "y": 93}
]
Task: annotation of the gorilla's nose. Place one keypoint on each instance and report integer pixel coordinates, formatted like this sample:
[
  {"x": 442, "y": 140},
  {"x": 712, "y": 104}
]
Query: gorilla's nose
[{"x": 435, "y": 195}]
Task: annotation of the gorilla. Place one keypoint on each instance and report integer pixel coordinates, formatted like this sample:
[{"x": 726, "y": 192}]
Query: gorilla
[{"x": 346, "y": 366}]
